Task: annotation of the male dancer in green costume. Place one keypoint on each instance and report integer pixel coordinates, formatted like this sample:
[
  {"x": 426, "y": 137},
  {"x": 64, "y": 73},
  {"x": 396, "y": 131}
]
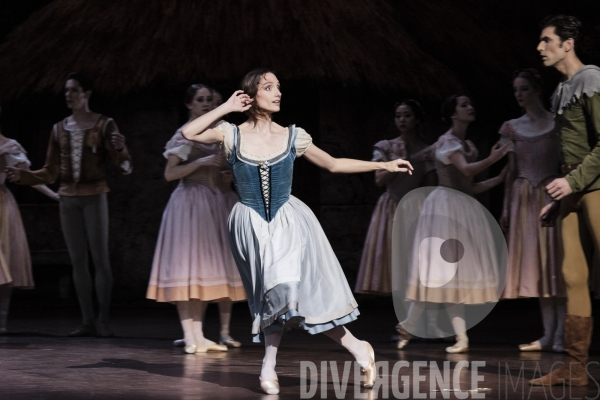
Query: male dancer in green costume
[{"x": 576, "y": 103}]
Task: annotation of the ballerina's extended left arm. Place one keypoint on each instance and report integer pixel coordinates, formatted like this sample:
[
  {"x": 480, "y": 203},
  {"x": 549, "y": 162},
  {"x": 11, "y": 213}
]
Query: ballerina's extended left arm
[{"x": 198, "y": 131}]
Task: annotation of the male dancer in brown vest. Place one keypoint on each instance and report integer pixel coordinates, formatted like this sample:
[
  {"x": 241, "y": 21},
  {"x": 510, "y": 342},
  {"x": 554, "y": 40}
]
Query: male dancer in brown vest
[{"x": 80, "y": 147}]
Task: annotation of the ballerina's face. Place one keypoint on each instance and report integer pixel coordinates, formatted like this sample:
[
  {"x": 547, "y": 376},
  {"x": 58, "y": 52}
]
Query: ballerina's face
[
  {"x": 405, "y": 119},
  {"x": 464, "y": 112},
  {"x": 524, "y": 92},
  {"x": 201, "y": 103},
  {"x": 268, "y": 95}
]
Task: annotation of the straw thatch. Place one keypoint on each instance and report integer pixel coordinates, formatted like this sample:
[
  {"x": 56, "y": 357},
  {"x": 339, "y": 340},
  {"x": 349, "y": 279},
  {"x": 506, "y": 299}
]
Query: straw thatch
[{"x": 132, "y": 44}]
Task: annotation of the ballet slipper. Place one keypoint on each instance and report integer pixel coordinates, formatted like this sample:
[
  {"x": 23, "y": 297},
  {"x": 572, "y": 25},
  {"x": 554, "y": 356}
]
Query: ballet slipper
[
  {"x": 369, "y": 370},
  {"x": 404, "y": 337},
  {"x": 533, "y": 346},
  {"x": 211, "y": 347},
  {"x": 558, "y": 348},
  {"x": 461, "y": 345},
  {"x": 190, "y": 349},
  {"x": 84, "y": 331},
  {"x": 229, "y": 341},
  {"x": 269, "y": 386},
  {"x": 103, "y": 331}
]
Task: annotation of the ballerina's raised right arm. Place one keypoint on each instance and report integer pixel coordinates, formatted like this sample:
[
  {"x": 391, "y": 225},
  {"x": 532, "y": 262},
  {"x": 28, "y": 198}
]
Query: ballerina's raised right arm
[{"x": 197, "y": 130}]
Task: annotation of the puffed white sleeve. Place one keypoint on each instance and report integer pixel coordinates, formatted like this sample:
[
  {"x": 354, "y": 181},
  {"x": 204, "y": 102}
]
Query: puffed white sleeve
[
  {"x": 381, "y": 151},
  {"x": 303, "y": 142},
  {"x": 445, "y": 150},
  {"x": 14, "y": 159},
  {"x": 179, "y": 146},
  {"x": 182, "y": 152},
  {"x": 16, "y": 155},
  {"x": 227, "y": 130}
]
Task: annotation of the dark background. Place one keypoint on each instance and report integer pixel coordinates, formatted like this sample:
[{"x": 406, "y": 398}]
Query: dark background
[{"x": 481, "y": 42}]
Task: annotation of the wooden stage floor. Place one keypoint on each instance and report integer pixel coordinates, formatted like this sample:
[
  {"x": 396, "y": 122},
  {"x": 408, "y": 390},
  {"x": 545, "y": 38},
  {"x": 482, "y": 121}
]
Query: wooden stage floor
[{"x": 38, "y": 361}]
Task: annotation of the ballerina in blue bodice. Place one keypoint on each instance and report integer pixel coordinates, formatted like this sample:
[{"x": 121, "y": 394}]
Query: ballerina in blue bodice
[
  {"x": 263, "y": 185},
  {"x": 290, "y": 273}
]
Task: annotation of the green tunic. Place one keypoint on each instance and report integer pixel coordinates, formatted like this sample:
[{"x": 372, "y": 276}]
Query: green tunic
[{"x": 577, "y": 106}]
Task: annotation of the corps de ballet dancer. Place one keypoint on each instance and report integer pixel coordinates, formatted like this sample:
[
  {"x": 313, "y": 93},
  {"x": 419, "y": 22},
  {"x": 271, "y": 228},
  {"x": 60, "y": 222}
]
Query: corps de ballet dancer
[
  {"x": 456, "y": 166},
  {"x": 533, "y": 256},
  {"x": 15, "y": 259},
  {"x": 375, "y": 269},
  {"x": 192, "y": 263}
]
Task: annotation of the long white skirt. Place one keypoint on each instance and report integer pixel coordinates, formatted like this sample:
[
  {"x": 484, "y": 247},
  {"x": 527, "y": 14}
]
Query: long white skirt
[
  {"x": 479, "y": 276},
  {"x": 289, "y": 270}
]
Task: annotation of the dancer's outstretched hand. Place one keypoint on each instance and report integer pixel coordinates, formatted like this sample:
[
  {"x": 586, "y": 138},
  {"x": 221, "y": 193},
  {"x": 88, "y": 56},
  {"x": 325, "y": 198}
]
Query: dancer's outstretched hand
[
  {"x": 399, "y": 165},
  {"x": 239, "y": 101}
]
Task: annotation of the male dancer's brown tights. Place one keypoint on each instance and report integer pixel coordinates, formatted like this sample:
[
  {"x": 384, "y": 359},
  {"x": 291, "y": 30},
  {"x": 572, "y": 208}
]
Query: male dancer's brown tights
[{"x": 580, "y": 215}]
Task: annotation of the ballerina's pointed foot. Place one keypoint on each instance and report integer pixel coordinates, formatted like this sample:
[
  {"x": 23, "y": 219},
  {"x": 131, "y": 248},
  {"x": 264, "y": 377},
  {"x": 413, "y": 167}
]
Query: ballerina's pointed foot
[
  {"x": 269, "y": 386},
  {"x": 369, "y": 370}
]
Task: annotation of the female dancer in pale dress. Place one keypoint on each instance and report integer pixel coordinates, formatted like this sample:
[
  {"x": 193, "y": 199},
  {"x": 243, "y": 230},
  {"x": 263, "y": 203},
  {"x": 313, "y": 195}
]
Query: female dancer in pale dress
[
  {"x": 533, "y": 267},
  {"x": 374, "y": 272},
  {"x": 289, "y": 270},
  {"x": 192, "y": 262},
  {"x": 15, "y": 260},
  {"x": 456, "y": 166}
]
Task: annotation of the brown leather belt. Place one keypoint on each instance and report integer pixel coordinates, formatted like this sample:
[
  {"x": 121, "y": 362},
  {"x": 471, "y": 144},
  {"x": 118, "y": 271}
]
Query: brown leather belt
[{"x": 569, "y": 167}]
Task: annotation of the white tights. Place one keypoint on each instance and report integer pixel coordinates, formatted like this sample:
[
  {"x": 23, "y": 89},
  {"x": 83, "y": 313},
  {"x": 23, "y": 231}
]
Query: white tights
[
  {"x": 191, "y": 315},
  {"x": 339, "y": 334},
  {"x": 456, "y": 312}
]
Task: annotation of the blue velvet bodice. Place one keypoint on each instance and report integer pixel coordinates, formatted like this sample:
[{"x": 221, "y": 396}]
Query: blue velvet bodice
[{"x": 265, "y": 185}]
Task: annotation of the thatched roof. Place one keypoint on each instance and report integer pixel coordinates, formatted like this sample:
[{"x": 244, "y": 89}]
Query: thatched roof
[{"x": 127, "y": 45}]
